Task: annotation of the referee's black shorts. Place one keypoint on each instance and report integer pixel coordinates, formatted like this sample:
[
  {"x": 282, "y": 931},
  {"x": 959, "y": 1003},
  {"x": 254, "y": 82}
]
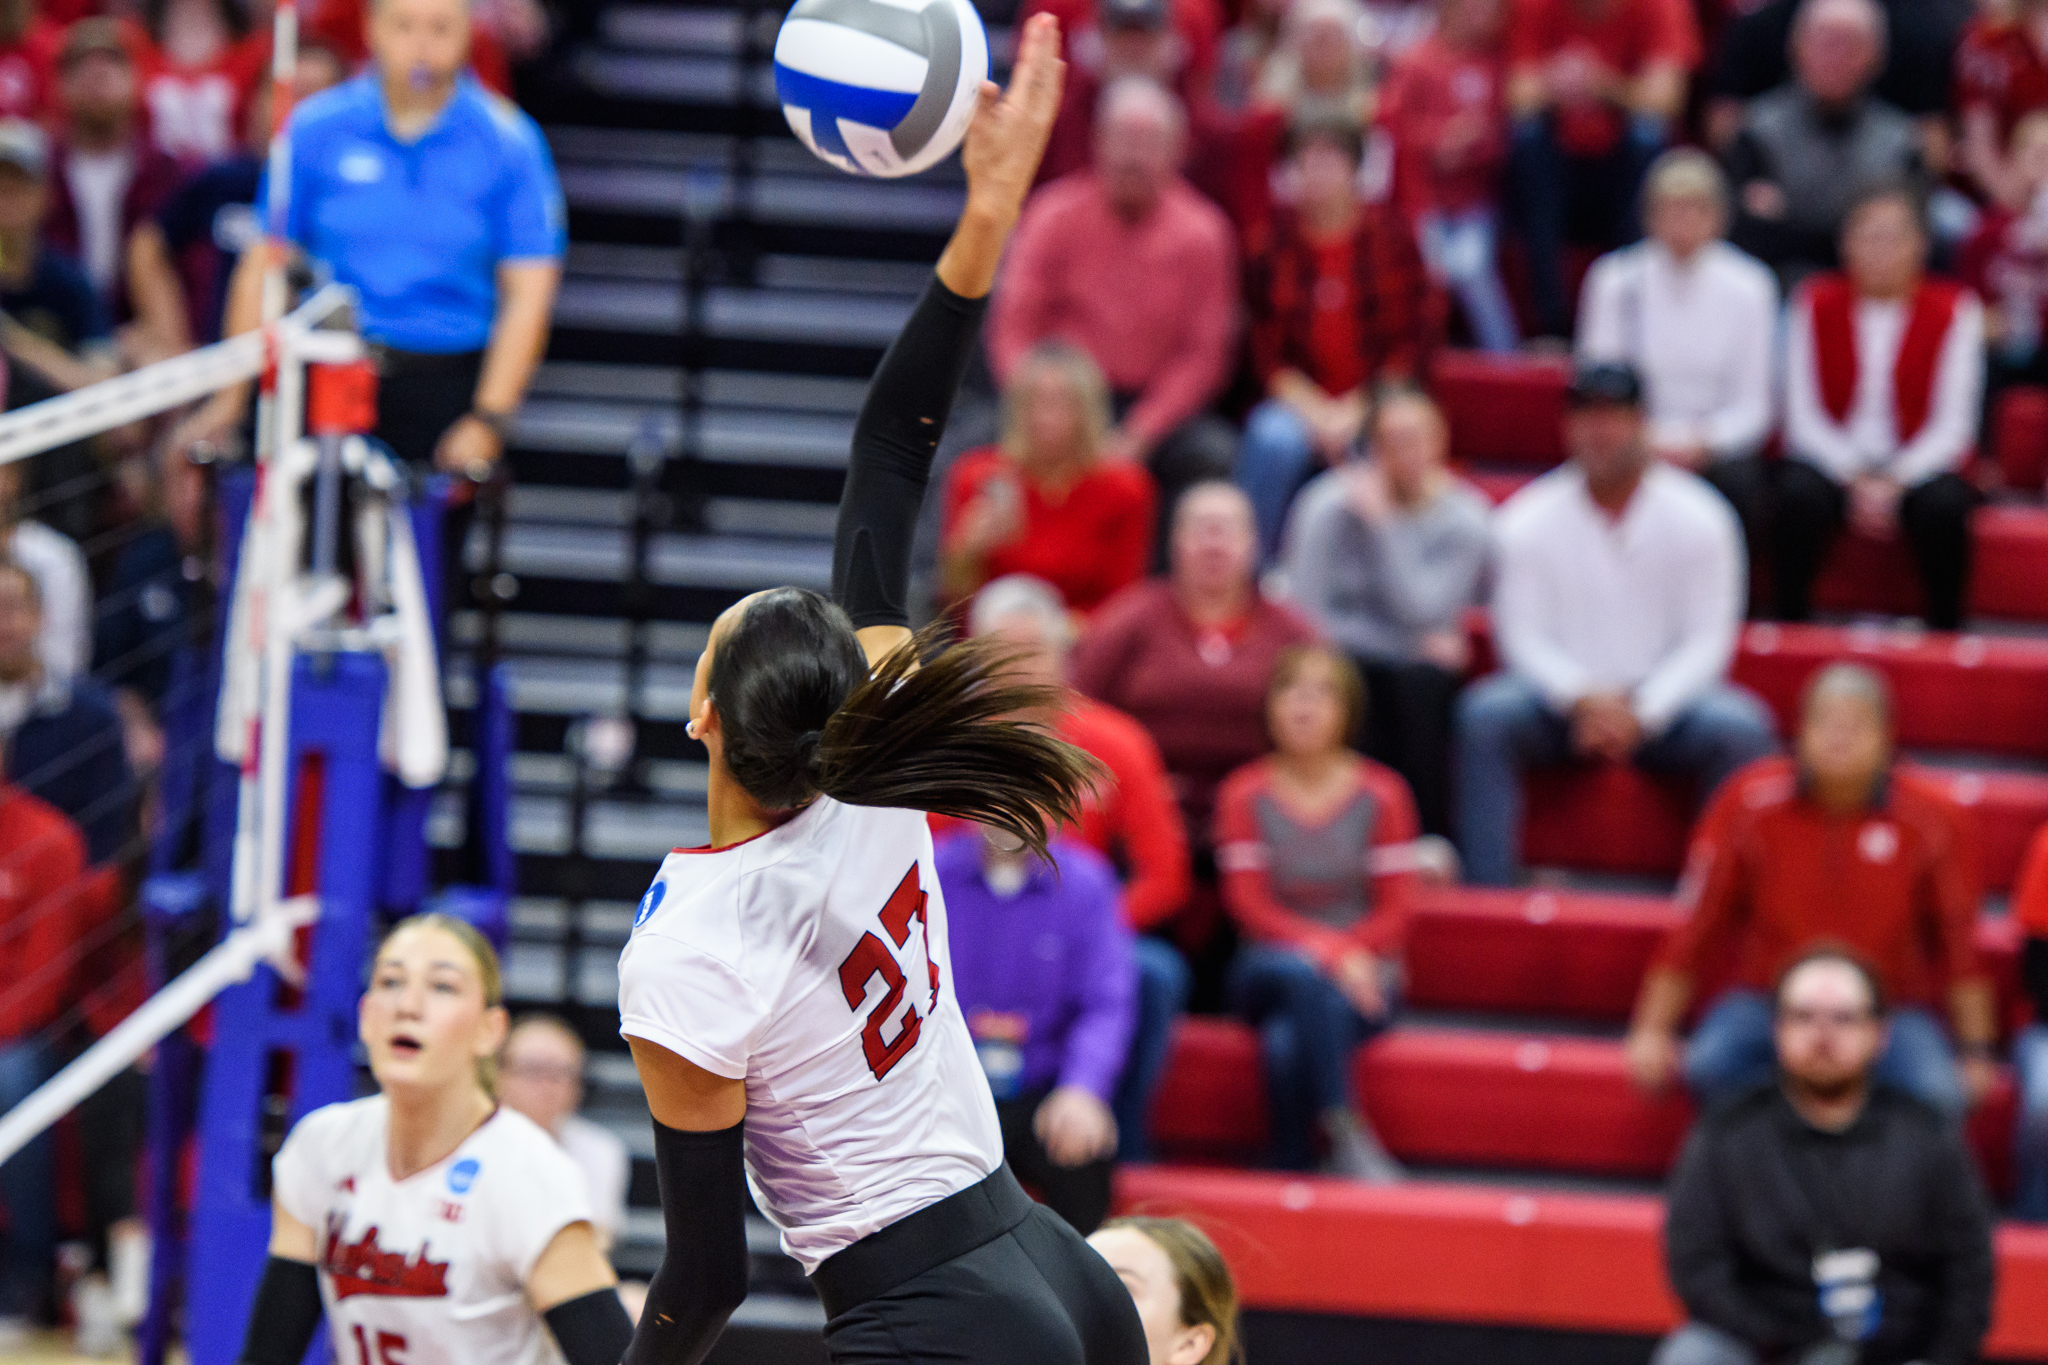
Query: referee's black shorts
[{"x": 985, "y": 1276}]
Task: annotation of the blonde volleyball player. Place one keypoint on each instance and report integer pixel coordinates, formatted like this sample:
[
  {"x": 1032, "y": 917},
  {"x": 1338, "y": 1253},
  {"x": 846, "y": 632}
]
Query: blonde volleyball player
[
  {"x": 430, "y": 1225},
  {"x": 786, "y": 991}
]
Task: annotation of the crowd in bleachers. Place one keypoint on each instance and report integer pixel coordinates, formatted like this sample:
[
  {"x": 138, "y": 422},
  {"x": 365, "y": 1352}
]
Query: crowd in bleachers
[
  {"x": 1790, "y": 261},
  {"x": 132, "y": 138}
]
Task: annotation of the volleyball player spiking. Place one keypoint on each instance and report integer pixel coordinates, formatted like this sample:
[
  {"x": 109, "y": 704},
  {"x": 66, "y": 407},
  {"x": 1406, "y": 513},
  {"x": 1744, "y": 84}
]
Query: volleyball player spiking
[{"x": 786, "y": 991}]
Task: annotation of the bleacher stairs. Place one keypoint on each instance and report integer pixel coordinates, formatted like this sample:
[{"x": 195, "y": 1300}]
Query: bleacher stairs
[{"x": 724, "y": 378}]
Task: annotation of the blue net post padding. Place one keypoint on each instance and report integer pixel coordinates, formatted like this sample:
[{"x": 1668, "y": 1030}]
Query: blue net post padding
[{"x": 264, "y": 1034}]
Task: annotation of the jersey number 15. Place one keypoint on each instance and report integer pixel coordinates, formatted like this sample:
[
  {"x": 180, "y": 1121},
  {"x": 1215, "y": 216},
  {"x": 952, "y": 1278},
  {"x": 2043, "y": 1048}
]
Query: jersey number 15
[{"x": 871, "y": 958}]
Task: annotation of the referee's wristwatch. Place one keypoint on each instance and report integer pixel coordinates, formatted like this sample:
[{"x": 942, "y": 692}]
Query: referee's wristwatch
[{"x": 500, "y": 423}]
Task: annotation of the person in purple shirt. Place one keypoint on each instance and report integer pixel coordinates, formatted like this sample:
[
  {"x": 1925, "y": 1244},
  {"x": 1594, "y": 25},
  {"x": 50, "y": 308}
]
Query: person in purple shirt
[{"x": 1047, "y": 977}]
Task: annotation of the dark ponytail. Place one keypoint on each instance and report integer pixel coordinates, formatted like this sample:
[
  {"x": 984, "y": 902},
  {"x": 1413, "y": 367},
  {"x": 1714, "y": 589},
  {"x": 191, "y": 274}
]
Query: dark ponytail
[{"x": 936, "y": 728}]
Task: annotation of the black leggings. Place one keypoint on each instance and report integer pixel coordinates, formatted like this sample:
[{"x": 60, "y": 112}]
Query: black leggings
[{"x": 1033, "y": 1293}]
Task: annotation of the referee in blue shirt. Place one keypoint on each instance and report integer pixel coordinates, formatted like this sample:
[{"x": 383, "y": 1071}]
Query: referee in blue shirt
[{"x": 438, "y": 202}]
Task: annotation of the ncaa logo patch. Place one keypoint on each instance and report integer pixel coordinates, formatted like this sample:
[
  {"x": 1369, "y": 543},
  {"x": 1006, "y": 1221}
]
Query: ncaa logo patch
[
  {"x": 462, "y": 1175},
  {"x": 650, "y": 903}
]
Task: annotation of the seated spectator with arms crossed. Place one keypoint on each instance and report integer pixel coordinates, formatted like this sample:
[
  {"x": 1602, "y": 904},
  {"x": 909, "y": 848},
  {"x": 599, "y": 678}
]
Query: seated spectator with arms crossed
[
  {"x": 1804, "y": 149},
  {"x": 1042, "y": 967},
  {"x": 1340, "y": 303},
  {"x": 1693, "y": 315},
  {"x": 1129, "y": 263},
  {"x": 1836, "y": 846},
  {"x": 1827, "y": 1219},
  {"x": 1189, "y": 657},
  {"x": 1385, "y": 555},
  {"x": 1044, "y": 501},
  {"x": 1618, "y": 591},
  {"x": 1884, "y": 381},
  {"x": 1314, "y": 844},
  {"x": 1130, "y": 817}
]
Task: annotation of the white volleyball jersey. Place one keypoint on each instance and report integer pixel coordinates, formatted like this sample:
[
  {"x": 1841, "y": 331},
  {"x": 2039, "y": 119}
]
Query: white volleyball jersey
[
  {"x": 811, "y": 963},
  {"x": 432, "y": 1269}
]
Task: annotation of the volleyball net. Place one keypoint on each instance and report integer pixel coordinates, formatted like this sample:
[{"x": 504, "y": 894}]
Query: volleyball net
[{"x": 282, "y": 603}]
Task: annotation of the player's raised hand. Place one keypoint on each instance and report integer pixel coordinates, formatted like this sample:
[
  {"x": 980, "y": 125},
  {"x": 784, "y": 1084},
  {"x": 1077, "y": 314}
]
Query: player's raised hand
[
  {"x": 1001, "y": 154},
  {"x": 1007, "y": 138}
]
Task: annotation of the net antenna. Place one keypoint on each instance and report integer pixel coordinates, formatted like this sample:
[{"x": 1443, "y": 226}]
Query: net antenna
[{"x": 280, "y": 604}]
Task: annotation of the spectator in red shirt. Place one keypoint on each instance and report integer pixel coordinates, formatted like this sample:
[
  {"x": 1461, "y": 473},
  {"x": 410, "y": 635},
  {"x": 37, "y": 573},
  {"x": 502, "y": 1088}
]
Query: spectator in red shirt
[
  {"x": 1189, "y": 657},
  {"x": 1131, "y": 265},
  {"x": 2006, "y": 262},
  {"x": 1340, "y": 303},
  {"x": 2001, "y": 76},
  {"x": 1311, "y": 844},
  {"x": 1044, "y": 502},
  {"x": 2030, "y": 1049},
  {"x": 42, "y": 866},
  {"x": 107, "y": 178},
  {"x": 1593, "y": 87},
  {"x": 1838, "y": 846},
  {"x": 1130, "y": 818},
  {"x": 1443, "y": 109},
  {"x": 28, "y": 60},
  {"x": 198, "y": 76}
]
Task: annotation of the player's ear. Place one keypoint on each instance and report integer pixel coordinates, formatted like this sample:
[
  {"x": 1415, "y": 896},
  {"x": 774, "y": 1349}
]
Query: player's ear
[
  {"x": 1191, "y": 1345},
  {"x": 490, "y": 1034}
]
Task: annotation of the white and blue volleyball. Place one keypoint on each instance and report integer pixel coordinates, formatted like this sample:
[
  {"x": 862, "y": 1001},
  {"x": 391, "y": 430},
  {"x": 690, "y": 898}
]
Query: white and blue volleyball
[{"x": 880, "y": 87}]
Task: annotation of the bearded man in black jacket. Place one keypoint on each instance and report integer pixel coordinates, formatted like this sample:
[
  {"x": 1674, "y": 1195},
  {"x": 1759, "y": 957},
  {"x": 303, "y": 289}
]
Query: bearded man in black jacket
[{"x": 1823, "y": 1220}]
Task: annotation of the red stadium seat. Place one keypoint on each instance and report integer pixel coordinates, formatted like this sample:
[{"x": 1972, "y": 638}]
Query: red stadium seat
[
  {"x": 1604, "y": 818},
  {"x": 2019, "y": 436},
  {"x": 1505, "y": 410},
  {"x": 1516, "y": 1101},
  {"x": 1975, "y": 693},
  {"x": 2008, "y": 581},
  {"x": 1486, "y": 1254}
]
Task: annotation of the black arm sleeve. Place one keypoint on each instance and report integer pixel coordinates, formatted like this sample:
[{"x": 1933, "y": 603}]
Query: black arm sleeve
[
  {"x": 703, "y": 1275},
  {"x": 593, "y": 1329},
  {"x": 893, "y": 443},
  {"x": 287, "y": 1310}
]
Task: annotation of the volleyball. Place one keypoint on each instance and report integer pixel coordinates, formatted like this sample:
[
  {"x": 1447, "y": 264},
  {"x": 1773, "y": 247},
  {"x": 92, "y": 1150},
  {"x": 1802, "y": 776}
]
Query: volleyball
[{"x": 880, "y": 87}]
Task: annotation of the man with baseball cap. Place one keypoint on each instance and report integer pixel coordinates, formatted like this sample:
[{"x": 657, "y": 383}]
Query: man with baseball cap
[{"x": 1618, "y": 590}]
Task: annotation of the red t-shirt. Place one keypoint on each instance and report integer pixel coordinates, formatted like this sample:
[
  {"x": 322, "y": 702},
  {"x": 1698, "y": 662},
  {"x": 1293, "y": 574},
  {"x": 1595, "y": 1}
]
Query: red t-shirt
[
  {"x": 1771, "y": 874},
  {"x": 2030, "y": 892},
  {"x": 196, "y": 114},
  {"x": 1087, "y": 540},
  {"x": 1130, "y": 818},
  {"x": 1625, "y": 36},
  {"x": 1434, "y": 89},
  {"x": 1998, "y": 67},
  {"x": 42, "y": 873},
  {"x": 28, "y": 72}
]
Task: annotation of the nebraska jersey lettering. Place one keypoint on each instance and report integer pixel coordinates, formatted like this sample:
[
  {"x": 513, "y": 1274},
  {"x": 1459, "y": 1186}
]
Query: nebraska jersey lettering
[
  {"x": 432, "y": 1269},
  {"x": 811, "y": 963}
]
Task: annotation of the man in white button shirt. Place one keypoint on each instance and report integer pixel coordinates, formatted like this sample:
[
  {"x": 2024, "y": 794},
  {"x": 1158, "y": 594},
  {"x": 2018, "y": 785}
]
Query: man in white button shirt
[
  {"x": 1694, "y": 316},
  {"x": 1619, "y": 587},
  {"x": 1884, "y": 377}
]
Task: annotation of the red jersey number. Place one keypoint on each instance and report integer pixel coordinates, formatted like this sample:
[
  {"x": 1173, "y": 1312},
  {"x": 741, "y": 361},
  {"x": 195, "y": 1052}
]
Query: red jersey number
[
  {"x": 871, "y": 958},
  {"x": 390, "y": 1348}
]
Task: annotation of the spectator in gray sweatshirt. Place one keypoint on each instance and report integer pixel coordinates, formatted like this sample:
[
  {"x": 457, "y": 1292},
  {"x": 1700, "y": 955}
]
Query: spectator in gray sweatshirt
[{"x": 1385, "y": 554}]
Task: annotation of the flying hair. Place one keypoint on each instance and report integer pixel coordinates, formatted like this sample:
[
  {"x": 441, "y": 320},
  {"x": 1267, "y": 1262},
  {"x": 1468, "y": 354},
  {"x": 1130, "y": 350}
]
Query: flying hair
[{"x": 937, "y": 727}]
